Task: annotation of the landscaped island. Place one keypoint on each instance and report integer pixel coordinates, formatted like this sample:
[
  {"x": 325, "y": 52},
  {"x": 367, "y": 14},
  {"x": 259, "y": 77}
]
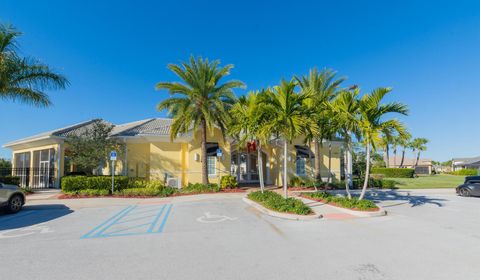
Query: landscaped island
[
  {"x": 353, "y": 203},
  {"x": 276, "y": 202}
]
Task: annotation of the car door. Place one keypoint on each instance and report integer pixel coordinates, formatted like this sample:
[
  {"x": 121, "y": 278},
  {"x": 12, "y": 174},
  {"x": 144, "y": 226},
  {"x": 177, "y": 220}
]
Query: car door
[
  {"x": 475, "y": 184},
  {"x": 3, "y": 194}
]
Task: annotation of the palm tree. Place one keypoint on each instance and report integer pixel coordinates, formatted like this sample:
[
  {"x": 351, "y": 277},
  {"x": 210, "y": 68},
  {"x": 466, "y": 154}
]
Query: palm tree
[
  {"x": 199, "y": 102},
  {"x": 419, "y": 145},
  {"x": 372, "y": 122},
  {"x": 404, "y": 141},
  {"x": 248, "y": 118},
  {"x": 24, "y": 78},
  {"x": 322, "y": 87},
  {"x": 290, "y": 117},
  {"x": 385, "y": 140},
  {"x": 345, "y": 109}
]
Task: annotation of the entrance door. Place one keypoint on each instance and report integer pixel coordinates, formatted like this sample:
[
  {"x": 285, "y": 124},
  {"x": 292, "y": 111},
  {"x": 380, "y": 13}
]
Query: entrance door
[
  {"x": 252, "y": 167},
  {"x": 44, "y": 174}
]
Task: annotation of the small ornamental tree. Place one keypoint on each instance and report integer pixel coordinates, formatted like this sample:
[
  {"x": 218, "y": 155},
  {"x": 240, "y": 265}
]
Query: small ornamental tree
[{"x": 91, "y": 148}]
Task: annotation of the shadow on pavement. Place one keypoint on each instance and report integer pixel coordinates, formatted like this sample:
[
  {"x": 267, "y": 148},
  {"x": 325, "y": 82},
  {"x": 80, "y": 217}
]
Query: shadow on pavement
[
  {"x": 403, "y": 198},
  {"x": 33, "y": 215}
]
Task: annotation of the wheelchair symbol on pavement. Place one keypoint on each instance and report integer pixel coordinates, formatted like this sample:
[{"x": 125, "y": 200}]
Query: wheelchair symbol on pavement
[
  {"x": 19, "y": 232},
  {"x": 212, "y": 218}
]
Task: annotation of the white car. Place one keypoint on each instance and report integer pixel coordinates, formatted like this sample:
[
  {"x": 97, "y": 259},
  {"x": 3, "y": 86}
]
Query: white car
[{"x": 11, "y": 198}]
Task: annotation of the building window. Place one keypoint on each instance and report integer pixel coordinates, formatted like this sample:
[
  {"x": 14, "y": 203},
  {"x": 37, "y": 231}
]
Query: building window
[
  {"x": 301, "y": 166},
  {"x": 212, "y": 165}
]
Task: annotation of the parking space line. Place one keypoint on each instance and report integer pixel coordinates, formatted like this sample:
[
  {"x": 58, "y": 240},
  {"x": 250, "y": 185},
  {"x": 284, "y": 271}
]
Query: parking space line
[
  {"x": 107, "y": 221},
  {"x": 162, "y": 225},
  {"x": 150, "y": 228},
  {"x": 16, "y": 216},
  {"x": 133, "y": 220}
]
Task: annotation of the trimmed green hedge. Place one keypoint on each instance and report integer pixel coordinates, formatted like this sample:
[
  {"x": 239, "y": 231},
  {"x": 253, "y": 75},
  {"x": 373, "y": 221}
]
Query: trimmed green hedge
[
  {"x": 465, "y": 172},
  {"x": 375, "y": 183},
  {"x": 200, "y": 188},
  {"x": 77, "y": 183},
  {"x": 354, "y": 203},
  {"x": 163, "y": 191},
  {"x": 394, "y": 172},
  {"x": 276, "y": 202},
  {"x": 10, "y": 180}
]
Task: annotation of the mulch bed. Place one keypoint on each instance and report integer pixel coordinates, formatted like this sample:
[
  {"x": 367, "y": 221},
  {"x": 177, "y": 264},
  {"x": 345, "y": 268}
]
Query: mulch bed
[
  {"x": 339, "y": 206},
  {"x": 75, "y": 196}
]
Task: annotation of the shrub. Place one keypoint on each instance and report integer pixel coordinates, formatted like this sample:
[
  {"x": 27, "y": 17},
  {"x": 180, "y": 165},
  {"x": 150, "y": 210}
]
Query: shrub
[
  {"x": 394, "y": 172},
  {"x": 375, "y": 183},
  {"x": 341, "y": 201},
  {"x": 163, "y": 191},
  {"x": 10, "y": 180},
  {"x": 296, "y": 181},
  {"x": 462, "y": 172},
  {"x": 76, "y": 183},
  {"x": 200, "y": 188},
  {"x": 228, "y": 182},
  {"x": 276, "y": 202},
  {"x": 27, "y": 190}
]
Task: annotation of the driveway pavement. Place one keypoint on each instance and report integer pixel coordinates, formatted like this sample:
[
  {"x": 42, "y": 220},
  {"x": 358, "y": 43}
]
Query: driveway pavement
[{"x": 427, "y": 235}]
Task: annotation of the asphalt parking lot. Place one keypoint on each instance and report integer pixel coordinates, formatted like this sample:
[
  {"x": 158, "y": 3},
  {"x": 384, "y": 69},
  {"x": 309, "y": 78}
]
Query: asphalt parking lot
[{"x": 427, "y": 235}]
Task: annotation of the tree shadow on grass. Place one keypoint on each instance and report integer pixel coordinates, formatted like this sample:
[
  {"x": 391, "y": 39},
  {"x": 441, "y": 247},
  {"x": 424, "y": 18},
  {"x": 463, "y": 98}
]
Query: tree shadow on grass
[
  {"x": 33, "y": 215},
  {"x": 403, "y": 198}
]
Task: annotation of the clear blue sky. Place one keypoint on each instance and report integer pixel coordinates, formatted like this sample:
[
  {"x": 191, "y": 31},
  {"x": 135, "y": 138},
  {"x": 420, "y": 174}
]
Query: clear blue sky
[{"x": 114, "y": 53}]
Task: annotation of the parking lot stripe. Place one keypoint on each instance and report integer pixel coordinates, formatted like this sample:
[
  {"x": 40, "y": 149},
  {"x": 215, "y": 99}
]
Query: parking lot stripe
[
  {"x": 152, "y": 225},
  {"x": 113, "y": 233},
  {"x": 106, "y": 222},
  {"x": 114, "y": 221},
  {"x": 16, "y": 216},
  {"x": 165, "y": 218}
]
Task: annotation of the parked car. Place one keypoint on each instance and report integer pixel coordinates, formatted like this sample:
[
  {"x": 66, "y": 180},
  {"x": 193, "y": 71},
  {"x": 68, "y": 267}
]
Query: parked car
[
  {"x": 471, "y": 186},
  {"x": 11, "y": 198}
]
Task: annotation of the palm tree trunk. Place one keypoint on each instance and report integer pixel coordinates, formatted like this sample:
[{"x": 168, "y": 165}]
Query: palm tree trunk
[
  {"x": 312, "y": 171},
  {"x": 285, "y": 186},
  {"x": 329, "y": 161},
  {"x": 418, "y": 158},
  {"x": 260, "y": 166},
  {"x": 318, "y": 174},
  {"x": 347, "y": 181},
  {"x": 367, "y": 173},
  {"x": 394, "y": 156},
  {"x": 203, "y": 128},
  {"x": 387, "y": 150},
  {"x": 403, "y": 157}
]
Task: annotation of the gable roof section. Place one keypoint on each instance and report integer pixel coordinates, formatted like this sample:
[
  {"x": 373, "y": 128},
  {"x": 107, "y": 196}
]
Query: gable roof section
[
  {"x": 465, "y": 161},
  {"x": 150, "y": 127},
  {"x": 63, "y": 132}
]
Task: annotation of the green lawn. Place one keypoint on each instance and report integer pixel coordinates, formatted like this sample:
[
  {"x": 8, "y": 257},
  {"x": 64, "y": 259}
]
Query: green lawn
[{"x": 429, "y": 182}]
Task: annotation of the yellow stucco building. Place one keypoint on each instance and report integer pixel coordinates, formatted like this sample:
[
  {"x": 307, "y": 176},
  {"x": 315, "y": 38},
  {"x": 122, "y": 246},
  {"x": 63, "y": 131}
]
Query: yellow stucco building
[{"x": 40, "y": 160}]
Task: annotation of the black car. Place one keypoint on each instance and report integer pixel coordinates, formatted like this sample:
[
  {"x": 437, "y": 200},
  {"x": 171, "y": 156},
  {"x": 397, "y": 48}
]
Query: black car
[{"x": 471, "y": 187}]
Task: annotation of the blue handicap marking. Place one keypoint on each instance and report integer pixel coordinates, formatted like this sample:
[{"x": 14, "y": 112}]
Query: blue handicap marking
[{"x": 133, "y": 220}]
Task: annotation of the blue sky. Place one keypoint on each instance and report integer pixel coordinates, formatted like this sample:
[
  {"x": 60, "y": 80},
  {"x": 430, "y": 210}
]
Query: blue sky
[{"x": 113, "y": 54}]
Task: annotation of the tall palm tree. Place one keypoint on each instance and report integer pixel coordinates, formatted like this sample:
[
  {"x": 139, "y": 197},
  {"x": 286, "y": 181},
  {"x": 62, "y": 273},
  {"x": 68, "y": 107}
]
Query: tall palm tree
[
  {"x": 24, "y": 78},
  {"x": 290, "y": 117},
  {"x": 199, "y": 102},
  {"x": 419, "y": 145},
  {"x": 322, "y": 87},
  {"x": 248, "y": 118},
  {"x": 404, "y": 142},
  {"x": 345, "y": 110},
  {"x": 372, "y": 122},
  {"x": 386, "y": 140}
]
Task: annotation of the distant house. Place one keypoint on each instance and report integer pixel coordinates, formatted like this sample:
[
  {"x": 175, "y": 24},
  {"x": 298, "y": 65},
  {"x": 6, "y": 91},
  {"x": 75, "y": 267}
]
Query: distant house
[
  {"x": 424, "y": 166},
  {"x": 466, "y": 163}
]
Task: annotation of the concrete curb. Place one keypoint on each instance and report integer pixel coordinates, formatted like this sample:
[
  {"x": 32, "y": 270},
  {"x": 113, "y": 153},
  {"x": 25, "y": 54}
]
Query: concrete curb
[
  {"x": 282, "y": 215},
  {"x": 363, "y": 214}
]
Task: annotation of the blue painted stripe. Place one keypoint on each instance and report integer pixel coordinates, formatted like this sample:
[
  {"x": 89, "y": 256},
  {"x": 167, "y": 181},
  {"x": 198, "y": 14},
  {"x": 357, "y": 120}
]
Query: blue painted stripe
[
  {"x": 16, "y": 216},
  {"x": 136, "y": 219},
  {"x": 114, "y": 221},
  {"x": 165, "y": 218},
  {"x": 106, "y": 222},
  {"x": 112, "y": 233},
  {"x": 155, "y": 221}
]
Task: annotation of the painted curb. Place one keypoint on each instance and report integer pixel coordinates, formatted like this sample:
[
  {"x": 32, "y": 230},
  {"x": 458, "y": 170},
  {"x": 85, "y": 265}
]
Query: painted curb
[
  {"x": 282, "y": 215},
  {"x": 363, "y": 214}
]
